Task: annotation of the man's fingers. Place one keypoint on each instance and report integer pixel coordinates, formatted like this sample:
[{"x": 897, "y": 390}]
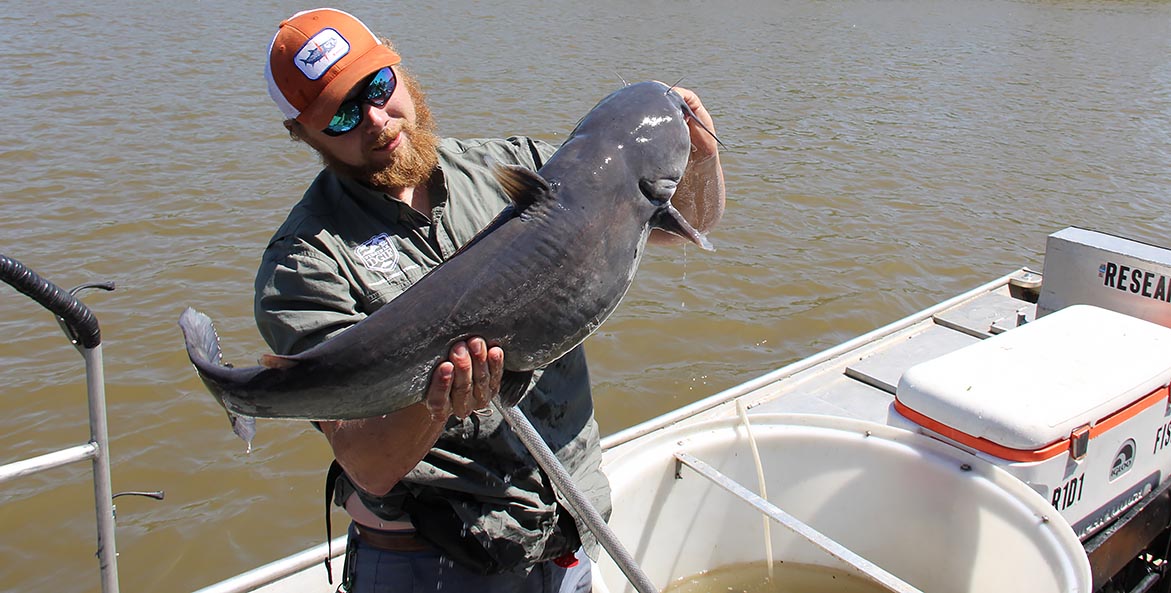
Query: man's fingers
[
  {"x": 495, "y": 370},
  {"x": 466, "y": 381},
  {"x": 461, "y": 384},
  {"x": 438, "y": 393},
  {"x": 480, "y": 375}
]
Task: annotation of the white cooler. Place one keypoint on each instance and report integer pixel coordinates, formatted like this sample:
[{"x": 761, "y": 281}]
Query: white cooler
[{"x": 1074, "y": 404}]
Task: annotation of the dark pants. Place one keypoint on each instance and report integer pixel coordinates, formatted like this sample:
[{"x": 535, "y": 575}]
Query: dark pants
[{"x": 380, "y": 571}]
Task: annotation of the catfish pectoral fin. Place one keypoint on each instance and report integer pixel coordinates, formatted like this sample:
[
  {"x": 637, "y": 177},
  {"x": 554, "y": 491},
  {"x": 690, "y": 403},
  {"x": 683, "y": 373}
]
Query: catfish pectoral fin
[
  {"x": 513, "y": 386},
  {"x": 244, "y": 427}
]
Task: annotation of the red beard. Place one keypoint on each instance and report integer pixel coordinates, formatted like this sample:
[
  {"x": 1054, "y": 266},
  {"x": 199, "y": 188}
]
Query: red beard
[{"x": 414, "y": 161}]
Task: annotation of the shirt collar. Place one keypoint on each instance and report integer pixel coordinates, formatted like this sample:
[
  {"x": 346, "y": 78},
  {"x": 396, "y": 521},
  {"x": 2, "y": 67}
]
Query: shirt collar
[{"x": 368, "y": 196}]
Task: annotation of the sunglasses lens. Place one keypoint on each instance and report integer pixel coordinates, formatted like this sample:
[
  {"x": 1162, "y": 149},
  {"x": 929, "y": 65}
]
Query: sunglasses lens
[
  {"x": 349, "y": 115},
  {"x": 347, "y": 118},
  {"x": 381, "y": 87}
]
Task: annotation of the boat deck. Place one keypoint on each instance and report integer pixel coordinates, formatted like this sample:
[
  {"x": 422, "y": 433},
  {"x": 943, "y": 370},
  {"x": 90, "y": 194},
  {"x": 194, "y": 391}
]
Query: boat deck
[
  {"x": 862, "y": 384},
  {"x": 858, "y": 378}
]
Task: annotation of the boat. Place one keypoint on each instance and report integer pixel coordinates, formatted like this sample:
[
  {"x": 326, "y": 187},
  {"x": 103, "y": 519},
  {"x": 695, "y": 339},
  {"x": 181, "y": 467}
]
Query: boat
[{"x": 1016, "y": 437}]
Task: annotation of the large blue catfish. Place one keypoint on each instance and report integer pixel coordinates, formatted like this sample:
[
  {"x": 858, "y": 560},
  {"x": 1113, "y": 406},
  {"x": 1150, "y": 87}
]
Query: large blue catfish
[{"x": 537, "y": 281}]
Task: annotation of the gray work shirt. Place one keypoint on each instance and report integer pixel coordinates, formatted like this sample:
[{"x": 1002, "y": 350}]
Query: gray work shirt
[{"x": 347, "y": 249}]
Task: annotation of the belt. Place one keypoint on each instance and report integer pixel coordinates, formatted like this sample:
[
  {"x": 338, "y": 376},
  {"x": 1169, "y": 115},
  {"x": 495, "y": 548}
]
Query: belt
[{"x": 391, "y": 541}]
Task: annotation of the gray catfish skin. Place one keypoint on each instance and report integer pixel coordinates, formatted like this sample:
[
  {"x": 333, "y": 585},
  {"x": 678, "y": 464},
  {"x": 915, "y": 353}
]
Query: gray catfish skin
[{"x": 537, "y": 281}]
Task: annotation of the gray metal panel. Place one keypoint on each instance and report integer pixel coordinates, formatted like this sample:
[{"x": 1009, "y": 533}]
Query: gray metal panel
[
  {"x": 831, "y": 395},
  {"x": 1091, "y": 268},
  {"x": 864, "y": 388},
  {"x": 990, "y": 314},
  {"x": 883, "y": 369}
]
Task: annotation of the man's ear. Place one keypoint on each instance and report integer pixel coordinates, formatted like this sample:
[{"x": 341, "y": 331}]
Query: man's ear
[{"x": 296, "y": 130}]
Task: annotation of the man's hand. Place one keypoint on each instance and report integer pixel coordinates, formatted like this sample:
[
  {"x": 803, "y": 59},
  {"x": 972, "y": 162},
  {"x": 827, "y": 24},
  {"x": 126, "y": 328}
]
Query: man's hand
[
  {"x": 377, "y": 452},
  {"x": 700, "y": 194},
  {"x": 466, "y": 381}
]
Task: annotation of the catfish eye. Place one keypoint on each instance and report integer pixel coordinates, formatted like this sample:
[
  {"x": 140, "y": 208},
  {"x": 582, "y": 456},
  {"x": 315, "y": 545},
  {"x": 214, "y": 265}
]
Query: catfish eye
[{"x": 658, "y": 191}]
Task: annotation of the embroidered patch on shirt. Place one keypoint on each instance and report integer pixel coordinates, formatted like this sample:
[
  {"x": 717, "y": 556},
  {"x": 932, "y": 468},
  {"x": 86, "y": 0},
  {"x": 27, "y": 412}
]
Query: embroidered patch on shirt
[{"x": 378, "y": 254}]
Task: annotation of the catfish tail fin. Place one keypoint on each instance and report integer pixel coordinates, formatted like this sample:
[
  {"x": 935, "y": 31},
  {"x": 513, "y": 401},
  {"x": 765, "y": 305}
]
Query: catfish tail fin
[
  {"x": 203, "y": 343},
  {"x": 203, "y": 348}
]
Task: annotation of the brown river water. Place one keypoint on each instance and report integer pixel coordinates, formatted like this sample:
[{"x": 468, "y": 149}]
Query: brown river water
[{"x": 881, "y": 155}]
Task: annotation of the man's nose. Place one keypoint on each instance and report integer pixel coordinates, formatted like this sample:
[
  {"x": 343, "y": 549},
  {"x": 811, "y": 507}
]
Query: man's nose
[{"x": 377, "y": 116}]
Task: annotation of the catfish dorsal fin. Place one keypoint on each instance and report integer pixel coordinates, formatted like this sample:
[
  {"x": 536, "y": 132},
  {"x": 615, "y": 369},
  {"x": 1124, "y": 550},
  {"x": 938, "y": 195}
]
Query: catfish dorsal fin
[
  {"x": 275, "y": 361},
  {"x": 524, "y": 187}
]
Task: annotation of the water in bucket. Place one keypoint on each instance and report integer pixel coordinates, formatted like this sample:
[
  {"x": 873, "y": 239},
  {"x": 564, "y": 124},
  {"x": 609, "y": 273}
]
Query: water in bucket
[{"x": 788, "y": 577}]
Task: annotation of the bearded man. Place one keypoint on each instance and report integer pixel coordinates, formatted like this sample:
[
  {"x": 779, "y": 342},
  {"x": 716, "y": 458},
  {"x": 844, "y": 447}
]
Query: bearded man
[{"x": 440, "y": 492}]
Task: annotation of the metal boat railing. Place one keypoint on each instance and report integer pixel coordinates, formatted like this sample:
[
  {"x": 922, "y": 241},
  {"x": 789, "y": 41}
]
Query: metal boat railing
[
  {"x": 81, "y": 327},
  {"x": 277, "y": 570}
]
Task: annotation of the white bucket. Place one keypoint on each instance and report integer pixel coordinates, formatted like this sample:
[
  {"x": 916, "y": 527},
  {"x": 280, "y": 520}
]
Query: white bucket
[{"x": 936, "y": 517}]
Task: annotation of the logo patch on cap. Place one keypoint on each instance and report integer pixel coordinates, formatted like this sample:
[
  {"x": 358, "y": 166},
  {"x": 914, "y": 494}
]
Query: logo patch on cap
[{"x": 321, "y": 51}]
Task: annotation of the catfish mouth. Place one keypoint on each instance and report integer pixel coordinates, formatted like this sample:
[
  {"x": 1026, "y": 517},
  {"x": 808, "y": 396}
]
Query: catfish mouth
[
  {"x": 659, "y": 192},
  {"x": 669, "y": 219}
]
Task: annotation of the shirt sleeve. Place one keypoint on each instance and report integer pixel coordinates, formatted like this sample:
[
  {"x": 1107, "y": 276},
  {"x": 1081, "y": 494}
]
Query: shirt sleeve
[
  {"x": 529, "y": 152},
  {"x": 301, "y": 300}
]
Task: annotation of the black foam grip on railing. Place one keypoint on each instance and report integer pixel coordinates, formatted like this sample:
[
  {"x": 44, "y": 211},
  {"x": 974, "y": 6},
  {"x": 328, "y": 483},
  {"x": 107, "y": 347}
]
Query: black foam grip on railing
[{"x": 78, "y": 318}]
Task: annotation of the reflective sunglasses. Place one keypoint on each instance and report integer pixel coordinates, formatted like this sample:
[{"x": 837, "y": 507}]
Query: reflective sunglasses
[{"x": 377, "y": 93}]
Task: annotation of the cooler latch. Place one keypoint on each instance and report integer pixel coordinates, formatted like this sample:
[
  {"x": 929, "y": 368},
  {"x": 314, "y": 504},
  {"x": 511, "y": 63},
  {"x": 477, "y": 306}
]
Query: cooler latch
[{"x": 1079, "y": 442}]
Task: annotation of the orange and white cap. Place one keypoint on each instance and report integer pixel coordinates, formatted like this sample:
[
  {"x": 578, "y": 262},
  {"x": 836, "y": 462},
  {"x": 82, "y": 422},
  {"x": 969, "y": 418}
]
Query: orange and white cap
[{"x": 316, "y": 57}]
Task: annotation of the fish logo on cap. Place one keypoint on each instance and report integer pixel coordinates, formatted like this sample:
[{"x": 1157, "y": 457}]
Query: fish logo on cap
[{"x": 321, "y": 51}]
